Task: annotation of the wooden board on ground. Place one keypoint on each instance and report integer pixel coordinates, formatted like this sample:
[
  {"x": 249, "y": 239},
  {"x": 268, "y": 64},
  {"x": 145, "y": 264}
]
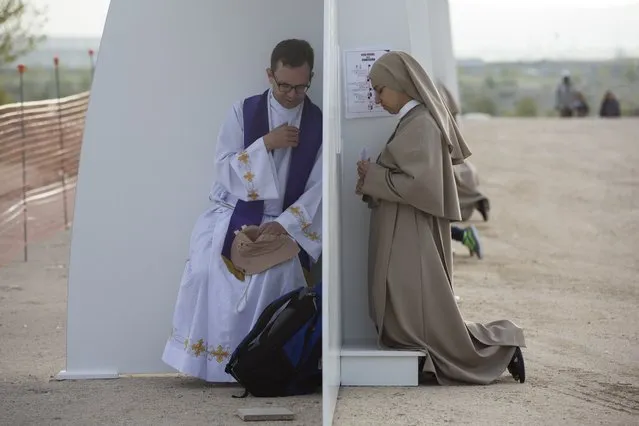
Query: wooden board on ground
[{"x": 265, "y": 414}]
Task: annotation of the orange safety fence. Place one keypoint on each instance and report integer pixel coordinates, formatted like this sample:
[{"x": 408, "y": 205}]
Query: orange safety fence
[{"x": 39, "y": 157}]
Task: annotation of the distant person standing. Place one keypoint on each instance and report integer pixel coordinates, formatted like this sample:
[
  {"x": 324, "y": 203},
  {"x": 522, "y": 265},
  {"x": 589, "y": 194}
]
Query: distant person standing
[
  {"x": 565, "y": 96},
  {"x": 609, "y": 106}
]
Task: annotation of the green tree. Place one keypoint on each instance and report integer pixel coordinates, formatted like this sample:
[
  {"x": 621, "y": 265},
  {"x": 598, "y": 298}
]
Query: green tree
[
  {"x": 20, "y": 26},
  {"x": 489, "y": 82},
  {"x": 482, "y": 104},
  {"x": 632, "y": 73},
  {"x": 526, "y": 107},
  {"x": 629, "y": 109},
  {"x": 5, "y": 98}
]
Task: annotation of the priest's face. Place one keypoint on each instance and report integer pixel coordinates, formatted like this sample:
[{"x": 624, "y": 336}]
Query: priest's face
[{"x": 290, "y": 84}]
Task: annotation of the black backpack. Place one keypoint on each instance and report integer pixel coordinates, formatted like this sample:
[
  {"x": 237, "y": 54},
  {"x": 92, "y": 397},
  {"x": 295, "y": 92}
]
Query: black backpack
[{"x": 281, "y": 355}]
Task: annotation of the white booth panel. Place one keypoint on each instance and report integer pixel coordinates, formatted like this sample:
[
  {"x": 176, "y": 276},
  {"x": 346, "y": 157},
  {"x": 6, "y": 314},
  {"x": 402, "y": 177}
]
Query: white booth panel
[
  {"x": 375, "y": 24},
  {"x": 331, "y": 307},
  {"x": 157, "y": 101},
  {"x": 444, "y": 65},
  {"x": 379, "y": 24}
]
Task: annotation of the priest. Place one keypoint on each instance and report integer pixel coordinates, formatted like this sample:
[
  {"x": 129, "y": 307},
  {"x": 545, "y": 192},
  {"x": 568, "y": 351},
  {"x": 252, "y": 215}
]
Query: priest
[{"x": 269, "y": 174}]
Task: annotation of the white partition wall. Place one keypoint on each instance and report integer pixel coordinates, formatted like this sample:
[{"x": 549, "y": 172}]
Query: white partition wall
[
  {"x": 331, "y": 309},
  {"x": 168, "y": 72},
  {"x": 444, "y": 65},
  {"x": 368, "y": 23},
  {"x": 363, "y": 24},
  {"x": 387, "y": 24}
]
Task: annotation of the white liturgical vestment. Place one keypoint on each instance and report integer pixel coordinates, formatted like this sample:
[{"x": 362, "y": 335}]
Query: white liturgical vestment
[{"x": 215, "y": 310}]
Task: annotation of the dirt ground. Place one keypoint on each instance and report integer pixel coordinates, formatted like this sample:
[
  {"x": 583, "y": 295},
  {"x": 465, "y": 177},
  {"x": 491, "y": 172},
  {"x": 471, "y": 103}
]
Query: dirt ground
[{"x": 561, "y": 260}]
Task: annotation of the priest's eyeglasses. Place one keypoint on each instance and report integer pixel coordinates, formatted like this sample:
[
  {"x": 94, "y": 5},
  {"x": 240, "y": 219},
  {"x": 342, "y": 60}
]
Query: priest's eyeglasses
[{"x": 300, "y": 89}]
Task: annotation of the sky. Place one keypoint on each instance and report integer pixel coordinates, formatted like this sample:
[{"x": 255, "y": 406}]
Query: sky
[{"x": 490, "y": 29}]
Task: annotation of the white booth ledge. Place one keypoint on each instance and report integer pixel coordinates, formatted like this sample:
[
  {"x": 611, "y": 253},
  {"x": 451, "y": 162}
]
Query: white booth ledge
[{"x": 363, "y": 363}]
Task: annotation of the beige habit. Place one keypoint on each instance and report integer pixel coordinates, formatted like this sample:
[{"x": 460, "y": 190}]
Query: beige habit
[
  {"x": 411, "y": 190},
  {"x": 466, "y": 177}
]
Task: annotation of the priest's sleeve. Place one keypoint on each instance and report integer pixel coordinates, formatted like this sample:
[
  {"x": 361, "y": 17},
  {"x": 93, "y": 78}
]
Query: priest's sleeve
[
  {"x": 303, "y": 219},
  {"x": 250, "y": 173}
]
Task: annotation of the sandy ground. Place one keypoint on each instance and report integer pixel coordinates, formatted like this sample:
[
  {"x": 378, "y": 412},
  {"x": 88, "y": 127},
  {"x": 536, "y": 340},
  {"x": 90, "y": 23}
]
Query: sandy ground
[{"x": 561, "y": 260}]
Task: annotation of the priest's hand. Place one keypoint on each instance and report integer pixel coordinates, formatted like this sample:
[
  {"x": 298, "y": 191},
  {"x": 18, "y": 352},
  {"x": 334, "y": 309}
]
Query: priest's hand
[
  {"x": 284, "y": 136},
  {"x": 272, "y": 228}
]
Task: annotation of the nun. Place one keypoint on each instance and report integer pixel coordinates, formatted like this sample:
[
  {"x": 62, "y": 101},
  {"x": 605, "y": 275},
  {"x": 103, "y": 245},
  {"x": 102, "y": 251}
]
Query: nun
[{"x": 413, "y": 198}]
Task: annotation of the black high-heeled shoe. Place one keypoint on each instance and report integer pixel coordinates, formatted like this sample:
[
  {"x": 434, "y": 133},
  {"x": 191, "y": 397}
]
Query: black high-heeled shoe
[
  {"x": 420, "y": 364},
  {"x": 516, "y": 367},
  {"x": 483, "y": 207}
]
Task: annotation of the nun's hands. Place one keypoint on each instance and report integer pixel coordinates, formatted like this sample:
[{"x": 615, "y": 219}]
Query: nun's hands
[
  {"x": 358, "y": 187},
  {"x": 362, "y": 169}
]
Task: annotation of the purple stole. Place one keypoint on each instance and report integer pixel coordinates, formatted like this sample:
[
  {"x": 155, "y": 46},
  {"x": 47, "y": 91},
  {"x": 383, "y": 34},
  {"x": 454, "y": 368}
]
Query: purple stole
[{"x": 256, "y": 125}]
